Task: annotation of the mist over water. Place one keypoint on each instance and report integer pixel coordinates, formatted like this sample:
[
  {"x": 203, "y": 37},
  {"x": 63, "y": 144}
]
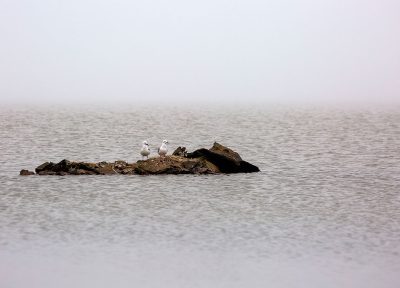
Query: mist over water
[
  {"x": 135, "y": 51},
  {"x": 323, "y": 211}
]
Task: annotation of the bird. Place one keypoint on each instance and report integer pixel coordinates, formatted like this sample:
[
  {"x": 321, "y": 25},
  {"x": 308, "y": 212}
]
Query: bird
[
  {"x": 162, "y": 151},
  {"x": 145, "y": 152}
]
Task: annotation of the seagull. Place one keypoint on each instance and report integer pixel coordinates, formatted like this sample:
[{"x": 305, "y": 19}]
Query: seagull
[
  {"x": 162, "y": 151},
  {"x": 145, "y": 152}
]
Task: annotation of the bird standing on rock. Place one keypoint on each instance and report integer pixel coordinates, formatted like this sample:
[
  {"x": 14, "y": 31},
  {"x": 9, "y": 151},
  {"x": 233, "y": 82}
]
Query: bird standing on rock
[
  {"x": 145, "y": 152},
  {"x": 162, "y": 151}
]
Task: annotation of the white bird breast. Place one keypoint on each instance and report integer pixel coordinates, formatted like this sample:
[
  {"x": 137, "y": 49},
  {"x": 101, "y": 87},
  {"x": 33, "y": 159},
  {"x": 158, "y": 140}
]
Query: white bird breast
[
  {"x": 145, "y": 151},
  {"x": 163, "y": 149}
]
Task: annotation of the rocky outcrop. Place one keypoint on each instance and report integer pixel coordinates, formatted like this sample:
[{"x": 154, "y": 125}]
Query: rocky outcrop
[{"x": 218, "y": 159}]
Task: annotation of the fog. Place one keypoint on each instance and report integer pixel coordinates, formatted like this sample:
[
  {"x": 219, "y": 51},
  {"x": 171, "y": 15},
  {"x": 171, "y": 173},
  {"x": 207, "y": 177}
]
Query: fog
[{"x": 203, "y": 51}]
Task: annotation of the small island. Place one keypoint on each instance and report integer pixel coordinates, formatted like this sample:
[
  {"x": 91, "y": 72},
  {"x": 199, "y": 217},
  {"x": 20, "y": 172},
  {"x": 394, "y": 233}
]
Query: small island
[{"x": 218, "y": 159}]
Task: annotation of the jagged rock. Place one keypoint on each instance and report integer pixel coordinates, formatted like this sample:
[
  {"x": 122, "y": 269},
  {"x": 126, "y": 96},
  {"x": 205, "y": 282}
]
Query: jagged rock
[
  {"x": 227, "y": 160},
  {"x": 24, "y": 172},
  {"x": 180, "y": 151},
  {"x": 218, "y": 159}
]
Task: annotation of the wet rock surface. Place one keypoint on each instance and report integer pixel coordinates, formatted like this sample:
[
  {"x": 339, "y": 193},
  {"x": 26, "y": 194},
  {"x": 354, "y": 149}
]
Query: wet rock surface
[{"x": 218, "y": 159}]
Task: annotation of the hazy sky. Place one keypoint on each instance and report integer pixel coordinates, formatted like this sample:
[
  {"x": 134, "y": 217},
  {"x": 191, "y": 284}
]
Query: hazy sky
[{"x": 253, "y": 50}]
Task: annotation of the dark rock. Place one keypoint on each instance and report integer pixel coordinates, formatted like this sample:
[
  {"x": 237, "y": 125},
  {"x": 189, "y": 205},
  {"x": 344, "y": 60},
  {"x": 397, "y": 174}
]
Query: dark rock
[
  {"x": 66, "y": 167},
  {"x": 24, "y": 172},
  {"x": 227, "y": 160},
  {"x": 180, "y": 151},
  {"x": 74, "y": 171},
  {"x": 47, "y": 166},
  {"x": 225, "y": 151},
  {"x": 174, "y": 165},
  {"x": 89, "y": 168},
  {"x": 47, "y": 173},
  {"x": 218, "y": 159},
  {"x": 62, "y": 166},
  {"x": 61, "y": 173}
]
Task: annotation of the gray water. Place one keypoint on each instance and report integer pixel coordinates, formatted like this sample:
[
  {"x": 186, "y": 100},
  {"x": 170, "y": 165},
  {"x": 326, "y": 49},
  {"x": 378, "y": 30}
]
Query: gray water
[{"x": 324, "y": 211}]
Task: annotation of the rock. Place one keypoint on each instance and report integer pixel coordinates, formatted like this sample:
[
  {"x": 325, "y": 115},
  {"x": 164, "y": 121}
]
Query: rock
[
  {"x": 218, "y": 159},
  {"x": 175, "y": 165},
  {"x": 127, "y": 171},
  {"x": 119, "y": 164},
  {"x": 180, "y": 151},
  {"x": 47, "y": 166},
  {"x": 225, "y": 151},
  {"x": 61, "y": 173},
  {"x": 227, "y": 160},
  {"x": 24, "y": 172},
  {"x": 66, "y": 167}
]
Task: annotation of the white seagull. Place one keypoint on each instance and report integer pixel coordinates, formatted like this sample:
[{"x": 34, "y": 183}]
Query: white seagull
[
  {"x": 162, "y": 151},
  {"x": 145, "y": 152}
]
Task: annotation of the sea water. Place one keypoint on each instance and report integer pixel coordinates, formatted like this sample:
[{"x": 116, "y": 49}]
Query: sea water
[{"x": 323, "y": 212}]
